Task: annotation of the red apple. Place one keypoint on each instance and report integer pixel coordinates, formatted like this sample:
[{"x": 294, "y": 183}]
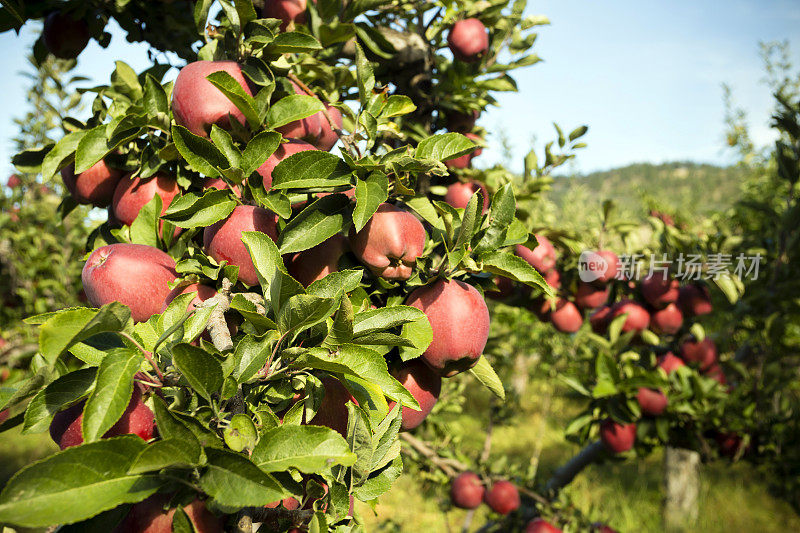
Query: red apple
[
  {"x": 704, "y": 353},
  {"x": 201, "y": 294},
  {"x": 659, "y": 290},
  {"x": 153, "y": 516},
  {"x": 315, "y": 263},
  {"x": 553, "y": 278},
  {"x": 13, "y": 182},
  {"x": 459, "y": 194},
  {"x": 468, "y": 39},
  {"x": 589, "y": 296},
  {"x": 286, "y": 149},
  {"x": 565, "y": 317},
  {"x": 467, "y": 491},
  {"x": 603, "y": 265},
  {"x": 288, "y": 503},
  {"x": 390, "y": 242},
  {"x": 668, "y": 320},
  {"x": 465, "y": 160},
  {"x": 221, "y": 185},
  {"x": 502, "y": 497},
  {"x": 131, "y": 195},
  {"x": 460, "y": 321},
  {"x": 638, "y": 318},
  {"x": 653, "y": 402},
  {"x": 332, "y": 411},
  {"x": 617, "y": 438},
  {"x": 223, "y": 240},
  {"x": 694, "y": 300},
  {"x": 94, "y": 186},
  {"x": 197, "y": 104},
  {"x": 600, "y": 319},
  {"x": 132, "y": 274},
  {"x": 315, "y": 129},
  {"x": 539, "y": 525},
  {"x": 64, "y": 36},
  {"x": 424, "y": 385},
  {"x": 542, "y": 257},
  {"x": 285, "y": 10},
  {"x": 670, "y": 363}
]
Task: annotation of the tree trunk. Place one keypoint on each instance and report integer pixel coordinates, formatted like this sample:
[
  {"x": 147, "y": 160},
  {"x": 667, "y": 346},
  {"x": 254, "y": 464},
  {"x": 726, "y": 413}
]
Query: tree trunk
[{"x": 681, "y": 489}]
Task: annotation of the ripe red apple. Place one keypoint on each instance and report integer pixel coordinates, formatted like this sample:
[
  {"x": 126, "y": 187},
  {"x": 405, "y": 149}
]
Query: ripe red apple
[
  {"x": 465, "y": 160},
  {"x": 653, "y": 402},
  {"x": 64, "y": 36},
  {"x": 668, "y": 320},
  {"x": 288, "y": 503},
  {"x": 390, "y": 243},
  {"x": 542, "y": 257},
  {"x": 638, "y": 318},
  {"x": 703, "y": 353},
  {"x": 502, "y": 497},
  {"x": 553, "y": 278},
  {"x": 332, "y": 411},
  {"x": 461, "y": 122},
  {"x": 468, "y": 39},
  {"x": 315, "y": 263},
  {"x": 94, "y": 186},
  {"x": 131, "y": 195},
  {"x": 286, "y": 149},
  {"x": 600, "y": 319},
  {"x": 150, "y": 516},
  {"x": 459, "y": 194},
  {"x": 617, "y": 438},
  {"x": 659, "y": 290},
  {"x": 424, "y": 385},
  {"x": 460, "y": 322},
  {"x": 220, "y": 185},
  {"x": 286, "y": 10},
  {"x": 223, "y": 240},
  {"x": 197, "y": 103},
  {"x": 565, "y": 317},
  {"x": 670, "y": 363},
  {"x": 694, "y": 300},
  {"x": 13, "y": 182},
  {"x": 604, "y": 264},
  {"x": 589, "y": 296},
  {"x": 467, "y": 491},
  {"x": 132, "y": 274},
  {"x": 66, "y": 431},
  {"x": 540, "y": 525}
]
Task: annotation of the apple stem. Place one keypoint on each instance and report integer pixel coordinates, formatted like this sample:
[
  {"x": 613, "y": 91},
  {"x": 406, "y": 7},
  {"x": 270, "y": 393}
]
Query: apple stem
[{"x": 147, "y": 355}]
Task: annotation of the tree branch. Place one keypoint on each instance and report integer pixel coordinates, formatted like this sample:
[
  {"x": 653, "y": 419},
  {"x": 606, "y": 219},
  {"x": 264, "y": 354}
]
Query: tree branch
[
  {"x": 567, "y": 472},
  {"x": 217, "y": 325}
]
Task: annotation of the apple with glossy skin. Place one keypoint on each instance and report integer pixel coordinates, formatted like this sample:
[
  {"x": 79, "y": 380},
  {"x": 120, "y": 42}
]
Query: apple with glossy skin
[
  {"x": 459, "y": 194},
  {"x": 638, "y": 318},
  {"x": 221, "y": 185},
  {"x": 566, "y": 317},
  {"x": 13, "y": 182},
  {"x": 465, "y": 160},
  {"x": 590, "y": 296},
  {"x": 617, "y": 438},
  {"x": 390, "y": 242},
  {"x": 540, "y": 525},
  {"x": 600, "y": 319},
  {"x": 703, "y": 353},
  {"x": 467, "y": 491},
  {"x": 285, "y": 10},
  {"x": 468, "y": 40},
  {"x": 150, "y": 516},
  {"x": 284, "y": 150},
  {"x": 315, "y": 263},
  {"x": 66, "y": 431},
  {"x": 64, "y": 36},
  {"x": 94, "y": 186},
  {"x": 669, "y": 362},
  {"x": 659, "y": 290},
  {"x": 197, "y": 103},
  {"x": 652, "y": 402},
  {"x": 332, "y": 411},
  {"x": 458, "y": 122},
  {"x": 424, "y": 385},
  {"x": 668, "y": 320},
  {"x": 223, "y": 240},
  {"x": 460, "y": 321},
  {"x": 131, "y": 195},
  {"x": 694, "y": 300},
  {"x": 542, "y": 257},
  {"x": 502, "y": 497},
  {"x": 133, "y": 274}
]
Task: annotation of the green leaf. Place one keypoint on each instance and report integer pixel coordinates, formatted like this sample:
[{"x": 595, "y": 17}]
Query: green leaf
[
  {"x": 291, "y": 43},
  {"x": 251, "y": 354},
  {"x": 444, "y": 146},
  {"x": 309, "y": 449},
  {"x": 74, "y": 325},
  {"x": 112, "y": 392},
  {"x": 233, "y": 481},
  {"x": 202, "y": 371},
  {"x": 484, "y": 372},
  {"x": 155, "y": 97},
  {"x": 236, "y": 94},
  {"x": 270, "y": 268},
  {"x": 365, "y": 76},
  {"x": 92, "y": 148},
  {"x": 192, "y": 211},
  {"x": 258, "y": 150},
  {"x": 200, "y": 154},
  {"x": 303, "y": 311},
  {"x": 291, "y": 108},
  {"x": 384, "y": 318},
  {"x": 58, "y": 156},
  {"x": 336, "y": 283},
  {"x": 420, "y": 333},
  {"x": 323, "y": 219},
  {"x": 309, "y": 169},
  {"x": 516, "y": 268},
  {"x": 398, "y": 105},
  {"x": 370, "y": 193},
  {"x": 76, "y": 484},
  {"x": 62, "y": 392},
  {"x": 163, "y": 453},
  {"x": 171, "y": 428}
]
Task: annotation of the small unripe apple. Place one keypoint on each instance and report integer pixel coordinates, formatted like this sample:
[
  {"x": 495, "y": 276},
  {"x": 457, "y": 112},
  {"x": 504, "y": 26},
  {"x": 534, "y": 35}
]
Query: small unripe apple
[
  {"x": 460, "y": 321},
  {"x": 152, "y": 516},
  {"x": 285, "y": 10},
  {"x": 617, "y": 438},
  {"x": 468, "y": 39},
  {"x": 638, "y": 318},
  {"x": 467, "y": 491},
  {"x": 131, "y": 195},
  {"x": 670, "y": 363},
  {"x": 284, "y": 150},
  {"x": 668, "y": 320},
  {"x": 459, "y": 194},
  {"x": 315, "y": 263},
  {"x": 64, "y": 36},
  {"x": 540, "y": 525},
  {"x": 659, "y": 290},
  {"x": 502, "y": 497},
  {"x": 223, "y": 240},
  {"x": 66, "y": 431},
  {"x": 133, "y": 274},
  {"x": 332, "y": 411},
  {"x": 542, "y": 257},
  {"x": 424, "y": 385},
  {"x": 694, "y": 300},
  {"x": 390, "y": 242},
  {"x": 600, "y": 319},
  {"x": 590, "y": 296},
  {"x": 465, "y": 160},
  {"x": 653, "y": 402},
  {"x": 197, "y": 103},
  {"x": 461, "y": 122},
  {"x": 565, "y": 317},
  {"x": 94, "y": 186},
  {"x": 703, "y": 353},
  {"x": 221, "y": 185}
]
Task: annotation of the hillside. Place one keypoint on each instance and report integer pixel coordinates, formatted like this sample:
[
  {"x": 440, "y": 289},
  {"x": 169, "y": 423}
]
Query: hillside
[{"x": 690, "y": 187}]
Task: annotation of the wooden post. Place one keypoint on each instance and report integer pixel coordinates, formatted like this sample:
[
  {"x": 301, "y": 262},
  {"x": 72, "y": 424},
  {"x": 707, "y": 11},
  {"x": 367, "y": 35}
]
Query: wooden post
[{"x": 681, "y": 489}]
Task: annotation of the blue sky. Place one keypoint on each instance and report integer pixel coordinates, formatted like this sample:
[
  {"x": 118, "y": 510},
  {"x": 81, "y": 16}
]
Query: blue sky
[{"x": 644, "y": 75}]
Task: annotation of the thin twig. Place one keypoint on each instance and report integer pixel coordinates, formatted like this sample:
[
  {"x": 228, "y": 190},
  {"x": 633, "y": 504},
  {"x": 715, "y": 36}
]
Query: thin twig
[{"x": 147, "y": 355}]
